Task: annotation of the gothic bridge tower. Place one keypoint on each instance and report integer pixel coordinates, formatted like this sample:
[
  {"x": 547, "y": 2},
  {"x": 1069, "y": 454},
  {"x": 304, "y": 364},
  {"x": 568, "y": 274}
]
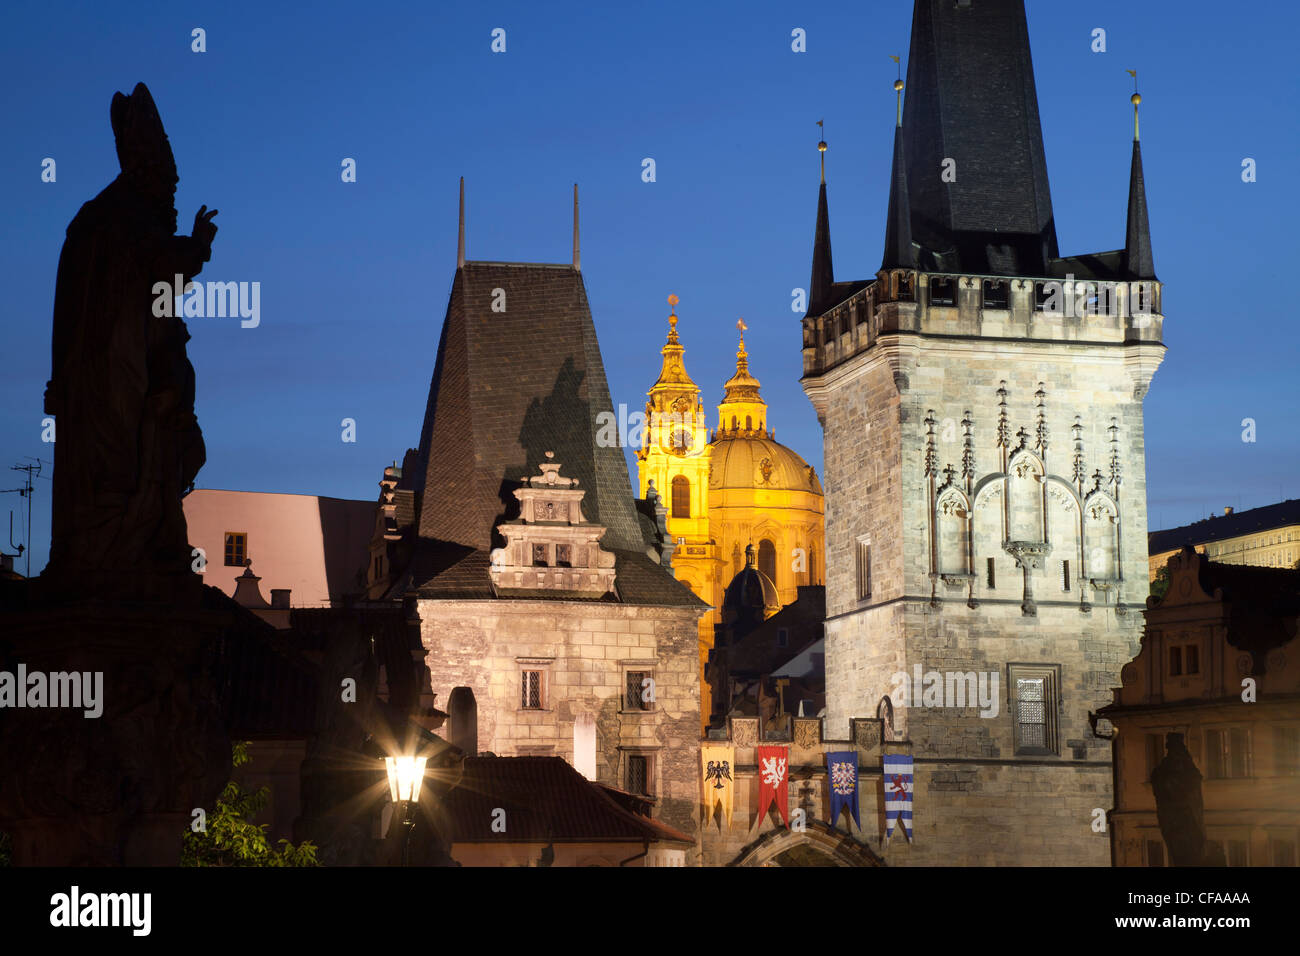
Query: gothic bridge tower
[{"x": 981, "y": 400}]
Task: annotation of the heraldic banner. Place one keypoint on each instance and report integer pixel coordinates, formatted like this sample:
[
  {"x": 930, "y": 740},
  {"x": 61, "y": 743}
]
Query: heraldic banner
[
  {"x": 842, "y": 771},
  {"x": 774, "y": 781},
  {"x": 898, "y": 793},
  {"x": 719, "y": 780}
]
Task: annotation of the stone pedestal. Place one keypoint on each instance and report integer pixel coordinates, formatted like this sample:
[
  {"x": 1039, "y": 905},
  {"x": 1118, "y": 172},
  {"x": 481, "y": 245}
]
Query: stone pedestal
[{"x": 118, "y": 788}]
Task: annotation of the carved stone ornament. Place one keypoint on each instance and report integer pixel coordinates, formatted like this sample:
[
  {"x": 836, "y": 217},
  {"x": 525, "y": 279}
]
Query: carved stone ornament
[{"x": 550, "y": 547}]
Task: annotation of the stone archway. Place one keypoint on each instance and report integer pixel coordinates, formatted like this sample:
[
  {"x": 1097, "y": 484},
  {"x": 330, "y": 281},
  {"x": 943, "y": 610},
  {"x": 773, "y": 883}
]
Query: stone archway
[{"x": 818, "y": 845}]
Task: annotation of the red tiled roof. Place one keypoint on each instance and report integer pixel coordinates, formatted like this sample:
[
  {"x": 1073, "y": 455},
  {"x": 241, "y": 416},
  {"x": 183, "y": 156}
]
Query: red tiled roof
[{"x": 545, "y": 800}]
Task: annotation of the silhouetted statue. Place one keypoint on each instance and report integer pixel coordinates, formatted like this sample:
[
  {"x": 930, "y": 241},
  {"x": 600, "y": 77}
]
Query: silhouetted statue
[
  {"x": 122, "y": 389},
  {"x": 1179, "y": 807}
]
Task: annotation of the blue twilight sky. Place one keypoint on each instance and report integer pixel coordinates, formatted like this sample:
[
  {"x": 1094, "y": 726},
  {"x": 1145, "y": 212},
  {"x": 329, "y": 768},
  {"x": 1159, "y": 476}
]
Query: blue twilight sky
[{"x": 354, "y": 277}]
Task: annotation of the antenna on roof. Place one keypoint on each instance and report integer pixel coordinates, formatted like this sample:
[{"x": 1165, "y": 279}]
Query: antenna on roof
[
  {"x": 460, "y": 235},
  {"x": 577, "y": 261}
]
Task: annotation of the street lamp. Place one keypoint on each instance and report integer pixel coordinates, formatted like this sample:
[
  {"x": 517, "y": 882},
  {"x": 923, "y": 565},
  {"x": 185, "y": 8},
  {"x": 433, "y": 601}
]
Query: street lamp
[{"x": 405, "y": 776}]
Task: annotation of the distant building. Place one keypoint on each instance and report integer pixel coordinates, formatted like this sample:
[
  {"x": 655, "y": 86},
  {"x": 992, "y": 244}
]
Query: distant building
[
  {"x": 1217, "y": 626},
  {"x": 310, "y": 545},
  {"x": 1267, "y": 537},
  {"x": 728, "y": 490}
]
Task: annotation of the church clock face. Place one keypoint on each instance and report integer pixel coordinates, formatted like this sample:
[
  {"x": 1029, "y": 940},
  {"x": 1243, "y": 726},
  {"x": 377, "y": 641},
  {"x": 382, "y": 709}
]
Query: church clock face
[{"x": 681, "y": 441}]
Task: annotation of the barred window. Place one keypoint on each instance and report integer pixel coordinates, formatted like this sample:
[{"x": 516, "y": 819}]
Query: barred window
[
  {"x": 638, "y": 774},
  {"x": 1035, "y": 707},
  {"x": 640, "y": 694},
  {"x": 236, "y": 548},
  {"x": 532, "y": 690}
]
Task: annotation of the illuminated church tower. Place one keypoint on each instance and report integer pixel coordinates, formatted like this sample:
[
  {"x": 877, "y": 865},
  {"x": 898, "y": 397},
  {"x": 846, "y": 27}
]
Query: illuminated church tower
[
  {"x": 728, "y": 490},
  {"x": 981, "y": 399}
]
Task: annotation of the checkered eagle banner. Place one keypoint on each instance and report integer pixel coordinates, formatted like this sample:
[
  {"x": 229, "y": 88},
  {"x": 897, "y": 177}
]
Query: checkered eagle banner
[
  {"x": 842, "y": 770},
  {"x": 898, "y": 793},
  {"x": 719, "y": 780}
]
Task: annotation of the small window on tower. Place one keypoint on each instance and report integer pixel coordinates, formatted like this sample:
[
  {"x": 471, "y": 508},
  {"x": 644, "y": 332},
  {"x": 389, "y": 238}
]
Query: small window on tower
[
  {"x": 531, "y": 697},
  {"x": 638, "y": 774},
  {"x": 539, "y": 556},
  {"x": 767, "y": 559},
  {"x": 995, "y": 293},
  {"x": 1065, "y": 575},
  {"x": 941, "y": 291},
  {"x": 992, "y": 574},
  {"x": 864, "y": 569},
  {"x": 681, "y": 497}
]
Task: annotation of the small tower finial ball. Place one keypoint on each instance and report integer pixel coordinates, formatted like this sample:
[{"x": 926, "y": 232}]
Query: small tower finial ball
[
  {"x": 1136, "y": 98},
  {"x": 898, "y": 85}
]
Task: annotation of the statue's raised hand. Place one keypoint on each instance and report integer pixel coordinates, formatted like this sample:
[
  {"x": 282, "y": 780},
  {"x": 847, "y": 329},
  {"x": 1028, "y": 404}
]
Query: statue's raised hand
[{"x": 204, "y": 230}]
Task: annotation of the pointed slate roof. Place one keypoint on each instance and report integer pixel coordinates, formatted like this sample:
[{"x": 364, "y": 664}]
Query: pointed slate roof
[
  {"x": 823, "y": 270},
  {"x": 898, "y": 227},
  {"x": 1139, "y": 262},
  {"x": 971, "y": 99},
  {"x": 509, "y": 385}
]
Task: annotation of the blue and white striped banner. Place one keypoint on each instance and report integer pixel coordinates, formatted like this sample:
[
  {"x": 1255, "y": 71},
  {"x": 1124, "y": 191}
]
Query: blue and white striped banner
[{"x": 898, "y": 793}]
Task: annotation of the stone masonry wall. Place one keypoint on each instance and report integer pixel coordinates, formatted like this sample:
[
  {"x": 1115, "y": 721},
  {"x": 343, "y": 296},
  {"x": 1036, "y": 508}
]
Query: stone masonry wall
[{"x": 584, "y": 650}]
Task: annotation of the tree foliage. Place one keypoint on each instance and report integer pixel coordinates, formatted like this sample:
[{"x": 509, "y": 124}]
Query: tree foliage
[
  {"x": 1160, "y": 583},
  {"x": 230, "y": 839}
]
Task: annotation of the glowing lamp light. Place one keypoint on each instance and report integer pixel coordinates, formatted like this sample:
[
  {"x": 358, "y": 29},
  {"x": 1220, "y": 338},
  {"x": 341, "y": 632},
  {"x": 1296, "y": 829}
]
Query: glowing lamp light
[{"x": 405, "y": 775}]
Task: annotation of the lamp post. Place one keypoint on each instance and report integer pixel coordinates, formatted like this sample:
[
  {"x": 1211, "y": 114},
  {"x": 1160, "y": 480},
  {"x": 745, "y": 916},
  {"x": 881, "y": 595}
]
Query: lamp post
[{"x": 405, "y": 777}]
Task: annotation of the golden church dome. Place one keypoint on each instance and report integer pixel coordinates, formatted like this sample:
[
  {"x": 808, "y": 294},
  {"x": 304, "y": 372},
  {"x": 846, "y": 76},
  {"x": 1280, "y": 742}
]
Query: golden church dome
[{"x": 747, "y": 461}]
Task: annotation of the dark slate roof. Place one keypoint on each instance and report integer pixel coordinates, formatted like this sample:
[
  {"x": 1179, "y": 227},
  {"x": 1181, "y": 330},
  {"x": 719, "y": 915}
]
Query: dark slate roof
[
  {"x": 507, "y": 388},
  {"x": 1138, "y": 260},
  {"x": 823, "y": 268},
  {"x": 899, "y": 253},
  {"x": 1218, "y": 527},
  {"x": 971, "y": 97},
  {"x": 545, "y": 800}
]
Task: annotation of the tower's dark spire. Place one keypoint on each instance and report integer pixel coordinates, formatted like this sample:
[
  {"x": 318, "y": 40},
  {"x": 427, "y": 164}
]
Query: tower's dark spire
[
  {"x": 1138, "y": 261},
  {"x": 976, "y": 170},
  {"x": 823, "y": 272},
  {"x": 898, "y": 227}
]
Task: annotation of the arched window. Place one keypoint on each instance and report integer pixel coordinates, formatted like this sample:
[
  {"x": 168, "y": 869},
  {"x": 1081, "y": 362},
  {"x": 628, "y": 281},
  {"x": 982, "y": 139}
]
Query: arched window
[
  {"x": 681, "y": 497},
  {"x": 767, "y": 559},
  {"x": 749, "y": 423}
]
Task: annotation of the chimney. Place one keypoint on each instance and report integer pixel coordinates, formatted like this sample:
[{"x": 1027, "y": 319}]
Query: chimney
[
  {"x": 280, "y": 597},
  {"x": 462, "y": 720}
]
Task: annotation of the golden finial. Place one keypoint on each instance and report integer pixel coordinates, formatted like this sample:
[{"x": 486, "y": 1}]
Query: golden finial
[
  {"x": 898, "y": 87},
  {"x": 821, "y": 147},
  {"x": 1135, "y": 99},
  {"x": 672, "y": 318}
]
